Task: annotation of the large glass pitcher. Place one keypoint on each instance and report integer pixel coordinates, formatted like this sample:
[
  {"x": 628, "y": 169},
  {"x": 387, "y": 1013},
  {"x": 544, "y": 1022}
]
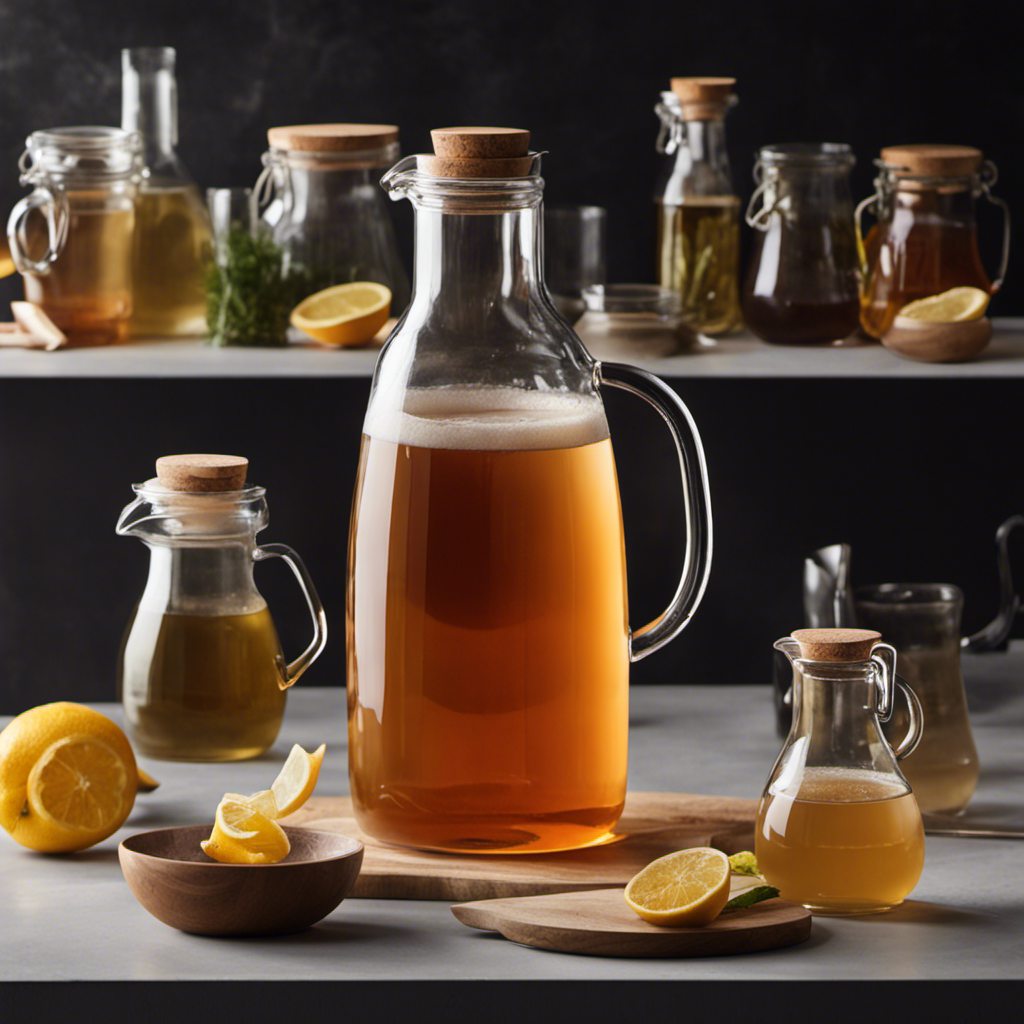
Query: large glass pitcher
[
  {"x": 838, "y": 829},
  {"x": 488, "y": 644},
  {"x": 201, "y": 674}
]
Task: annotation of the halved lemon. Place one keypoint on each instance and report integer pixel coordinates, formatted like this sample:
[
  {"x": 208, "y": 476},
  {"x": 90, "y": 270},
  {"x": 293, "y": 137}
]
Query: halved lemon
[
  {"x": 347, "y": 314},
  {"x": 953, "y": 306},
  {"x": 241, "y": 835},
  {"x": 297, "y": 779},
  {"x": 688, "y": 888}
]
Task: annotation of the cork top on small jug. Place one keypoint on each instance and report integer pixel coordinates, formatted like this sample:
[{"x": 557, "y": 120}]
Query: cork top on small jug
[
  {"x": 704, "y": 99},
  {"x": 477, "y": 152},
  {"x": 202, "y": 474},
  {"x": 836, "y": 644}
]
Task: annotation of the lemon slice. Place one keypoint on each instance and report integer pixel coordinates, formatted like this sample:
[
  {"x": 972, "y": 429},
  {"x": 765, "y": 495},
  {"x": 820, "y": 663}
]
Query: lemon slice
[
  {"x": 263, "y": 801},
  {"x": 347, "y": 314},
  {"x": 242, "y": 835},
  {"x": 953, "y": 306},
  {"x": 80, "y": 783},
  {"x": 688, "y": 888},
  {"x": 295, "y": 784},
  {"x": 146, "y": 782}
]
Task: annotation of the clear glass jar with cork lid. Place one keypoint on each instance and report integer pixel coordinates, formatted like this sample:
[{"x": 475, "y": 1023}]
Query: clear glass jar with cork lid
[
  {"x": 201, "y": 673},
  {"x": 320, "y": 195},
  {"x": 697, "y": 209},
  {"x": 925, "y": 239}
]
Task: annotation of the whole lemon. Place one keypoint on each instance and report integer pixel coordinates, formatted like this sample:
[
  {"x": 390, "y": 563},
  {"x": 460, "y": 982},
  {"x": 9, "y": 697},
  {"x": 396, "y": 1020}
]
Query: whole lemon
[{"x": 68, "y": 778}]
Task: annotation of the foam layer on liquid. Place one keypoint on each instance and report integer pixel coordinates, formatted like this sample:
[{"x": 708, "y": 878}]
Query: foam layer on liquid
[
  {"x": 489, "y": 419},
  {"x": 843, "y": 785}
]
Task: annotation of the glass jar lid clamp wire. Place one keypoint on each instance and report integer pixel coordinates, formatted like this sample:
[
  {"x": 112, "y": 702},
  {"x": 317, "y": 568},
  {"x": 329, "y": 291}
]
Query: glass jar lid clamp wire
[{"x": 820, "y": 156}]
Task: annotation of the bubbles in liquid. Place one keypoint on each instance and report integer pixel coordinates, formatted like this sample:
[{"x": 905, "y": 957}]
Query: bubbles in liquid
[
  {"x": 842, "y": 785},
  {"x": 487, "y": 419}
]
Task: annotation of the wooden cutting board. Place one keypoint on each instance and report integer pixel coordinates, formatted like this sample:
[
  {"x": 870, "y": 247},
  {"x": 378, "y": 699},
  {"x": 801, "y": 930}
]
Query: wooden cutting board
[
  {"x": 652, "y": 825},
  {"x": 601, "y": 924}
]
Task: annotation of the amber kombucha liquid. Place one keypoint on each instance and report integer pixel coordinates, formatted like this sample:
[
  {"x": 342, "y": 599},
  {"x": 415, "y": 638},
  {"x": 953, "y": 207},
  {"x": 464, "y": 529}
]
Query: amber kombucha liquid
[
  {"x": 487, "y": 635},
  {"x": 848, "y": 841},
  {"x": 87, "y": 292},
  {"x": 202, "y": 687}
]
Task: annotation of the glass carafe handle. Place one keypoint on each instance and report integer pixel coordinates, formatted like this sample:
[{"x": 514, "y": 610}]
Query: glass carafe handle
[
  {"x": 52, "y": 204},
  {"x": 316, "y": 609},
  {"x": 883, "y": 657},
  {"x": 697, "y": 563},
  {"x": 987, "y": 179}
]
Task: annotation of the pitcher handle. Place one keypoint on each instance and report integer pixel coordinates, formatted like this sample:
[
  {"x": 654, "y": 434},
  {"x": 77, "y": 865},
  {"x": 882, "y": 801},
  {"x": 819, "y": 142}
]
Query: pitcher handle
[
  {"x": 52, "y": 204},
  {"x": 858, "y": 229},
  {"x": 883, "y": 656},
  {"x": 295, "y": 669},
  {"x": 997, "y": 631},
  {"x": 988, "y": 177},
  {"x": 697, "y": 563}
]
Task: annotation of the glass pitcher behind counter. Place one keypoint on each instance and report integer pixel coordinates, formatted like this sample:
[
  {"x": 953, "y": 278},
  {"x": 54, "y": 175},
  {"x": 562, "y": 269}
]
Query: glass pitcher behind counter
[{"x": 488, "y": 643}]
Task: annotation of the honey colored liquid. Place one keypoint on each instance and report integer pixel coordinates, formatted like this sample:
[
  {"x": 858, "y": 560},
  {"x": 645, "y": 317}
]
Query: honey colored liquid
[
  {"x": 487, "y": 636},
  {"x": 6, "y": 262},
  {"x": 698, "y": 256},
  {"x": 87, "y": 292},
  {"x": 172, "y": 248},
  {"x": 849, "y": 842},
  {"x": 202, "y": 687}
]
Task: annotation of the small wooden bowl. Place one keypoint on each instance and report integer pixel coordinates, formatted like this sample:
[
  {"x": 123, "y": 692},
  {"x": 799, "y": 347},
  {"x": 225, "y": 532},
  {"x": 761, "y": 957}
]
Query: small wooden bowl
[
  {"x": 178, "y": 884},
  {"x": 930, "y": 342}
]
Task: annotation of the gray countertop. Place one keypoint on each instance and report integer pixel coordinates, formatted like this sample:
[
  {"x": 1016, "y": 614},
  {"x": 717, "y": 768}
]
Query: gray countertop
[
  {"x": 73, "y": 917},
  {"x": 737, "y": 356}
]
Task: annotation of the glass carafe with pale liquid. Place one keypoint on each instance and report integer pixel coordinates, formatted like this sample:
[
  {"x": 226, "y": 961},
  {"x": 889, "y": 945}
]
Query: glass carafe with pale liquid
[
  {"x": 698, "y": 212},
  {"x": 172, "y": 233},
  {"x": 488, "y": 643},
  {"x": 838, "y": 829},
  {"x": 201, "y": 674}
]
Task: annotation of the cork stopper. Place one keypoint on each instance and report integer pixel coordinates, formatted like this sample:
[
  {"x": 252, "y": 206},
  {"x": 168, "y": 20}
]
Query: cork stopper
[
  {"x": 933, "y": 161},
  {"x": 202, "y": 474},
  {"x": 472, "y": 152},
  {"x": 332, "y": 138},
  {"x": 836, "y": 644},
  {"x": 704, "y": 99}
]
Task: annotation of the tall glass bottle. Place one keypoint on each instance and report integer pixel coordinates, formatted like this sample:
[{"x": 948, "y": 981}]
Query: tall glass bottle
[
  {"x": 172, "y": 235},
  {"x": 698, "y": 214}
]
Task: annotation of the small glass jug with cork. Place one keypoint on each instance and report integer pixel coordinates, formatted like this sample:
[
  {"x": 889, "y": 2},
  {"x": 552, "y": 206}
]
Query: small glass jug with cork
[
  {"x": 201, "y": 673},
  {"x": 698, "y": 210},
  {"x": 925, "y": 240},
  {"x": 838, "y": 828}
]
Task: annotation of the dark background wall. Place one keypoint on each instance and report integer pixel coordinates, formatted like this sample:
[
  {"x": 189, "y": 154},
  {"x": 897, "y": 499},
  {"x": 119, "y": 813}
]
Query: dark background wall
[
  {"x": 915, "y": 474},
  {"x": 584, "y": 77}
]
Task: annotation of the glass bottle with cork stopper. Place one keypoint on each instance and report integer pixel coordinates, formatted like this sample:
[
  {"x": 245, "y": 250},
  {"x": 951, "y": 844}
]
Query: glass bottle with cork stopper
[
  {"x": 201, "y": 674},
  {"x": 321, "y": 198},
  {"x": 697, "y": 209},
  {"x": 925, "y": 239},
  {"x": 838, "y": 829},
  {"x": 172, "y": 232},
  {"x": 488, "y": 640}
]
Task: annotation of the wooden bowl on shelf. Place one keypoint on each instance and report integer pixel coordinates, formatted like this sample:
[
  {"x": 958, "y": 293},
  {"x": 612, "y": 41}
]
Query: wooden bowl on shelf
[
  {"x": 931, "y": 342},
  {"x": 178, "y": 884}
]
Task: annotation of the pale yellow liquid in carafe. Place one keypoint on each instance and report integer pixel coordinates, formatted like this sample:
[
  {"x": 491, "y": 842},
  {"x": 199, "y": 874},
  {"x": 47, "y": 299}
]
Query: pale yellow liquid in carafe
[
  {"x": 848, "y": 841},
  {"x": 202, "y": 687},
  {"x": 172, "y": 248}
]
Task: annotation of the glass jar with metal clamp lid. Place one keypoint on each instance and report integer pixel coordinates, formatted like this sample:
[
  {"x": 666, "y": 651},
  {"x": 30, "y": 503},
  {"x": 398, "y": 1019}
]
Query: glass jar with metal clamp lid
[
  {"x": 924, "y": 240},
  {"x": 320, "y": 194},
  {"x": 72, "y": 237}
]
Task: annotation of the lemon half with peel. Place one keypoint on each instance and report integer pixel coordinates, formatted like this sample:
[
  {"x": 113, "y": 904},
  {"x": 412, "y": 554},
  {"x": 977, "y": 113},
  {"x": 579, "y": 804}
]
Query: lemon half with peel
[
  {"x": 347, "y": 314},
  {"x": 953, "y": 306},
  {"x": 68, "y": 778},
  {"x": 687, "y": 888}
]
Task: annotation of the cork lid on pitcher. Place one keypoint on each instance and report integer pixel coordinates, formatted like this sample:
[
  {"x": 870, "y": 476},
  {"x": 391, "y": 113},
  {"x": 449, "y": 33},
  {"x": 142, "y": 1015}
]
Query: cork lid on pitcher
[
  {"x": 704, "y": 99},
  {"x": 332, "y": 138},
  {"x": 202, "y": 474},
  {"x": 932, "y": 161},
  {"x": 477, "y": 152},
  {"x": 836, "y": 644}
]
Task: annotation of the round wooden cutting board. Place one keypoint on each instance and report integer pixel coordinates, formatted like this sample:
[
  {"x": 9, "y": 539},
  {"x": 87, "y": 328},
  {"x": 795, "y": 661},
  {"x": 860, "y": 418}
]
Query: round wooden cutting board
[{"x": 600, "y": 923}]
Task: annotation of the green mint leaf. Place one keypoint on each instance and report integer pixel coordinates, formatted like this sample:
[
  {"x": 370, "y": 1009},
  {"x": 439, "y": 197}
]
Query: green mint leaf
[{"x": 752, "y": 896}]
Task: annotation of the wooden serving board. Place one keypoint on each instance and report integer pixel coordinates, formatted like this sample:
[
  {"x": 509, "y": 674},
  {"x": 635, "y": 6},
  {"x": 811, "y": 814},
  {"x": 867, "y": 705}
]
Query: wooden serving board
[
  {"x": 601, "y": 924},
  {"x": 652, "y": 825}
]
